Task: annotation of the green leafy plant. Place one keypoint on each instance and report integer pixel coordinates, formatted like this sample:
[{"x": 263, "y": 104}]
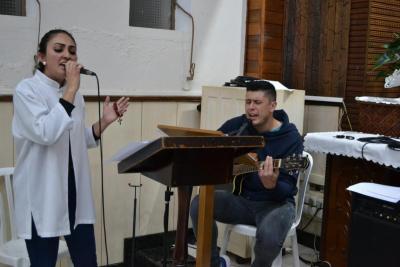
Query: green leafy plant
[{"x": 390, "y": 58}]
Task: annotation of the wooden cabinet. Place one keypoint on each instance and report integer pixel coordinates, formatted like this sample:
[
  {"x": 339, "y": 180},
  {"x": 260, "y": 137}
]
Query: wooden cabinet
[{"x": 342, "y": 172}]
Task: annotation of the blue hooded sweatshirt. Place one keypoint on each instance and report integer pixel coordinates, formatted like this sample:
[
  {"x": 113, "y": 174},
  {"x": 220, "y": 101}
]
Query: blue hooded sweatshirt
[{"x": 279, "y": 143}]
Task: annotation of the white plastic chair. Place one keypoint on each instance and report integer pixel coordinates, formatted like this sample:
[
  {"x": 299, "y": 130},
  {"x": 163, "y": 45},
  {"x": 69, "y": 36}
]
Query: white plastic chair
[
  {"x": 13, "y": 252},
  {"x": 250, "y": 230}
]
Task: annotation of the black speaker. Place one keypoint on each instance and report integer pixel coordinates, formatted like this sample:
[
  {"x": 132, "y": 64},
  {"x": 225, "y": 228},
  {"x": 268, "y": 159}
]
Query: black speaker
[{"x": 374, "y": 233}]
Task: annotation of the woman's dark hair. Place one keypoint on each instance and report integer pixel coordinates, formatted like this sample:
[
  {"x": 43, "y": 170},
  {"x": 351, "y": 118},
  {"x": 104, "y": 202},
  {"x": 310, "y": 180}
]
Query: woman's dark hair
[{"x": 45, "y": 40}]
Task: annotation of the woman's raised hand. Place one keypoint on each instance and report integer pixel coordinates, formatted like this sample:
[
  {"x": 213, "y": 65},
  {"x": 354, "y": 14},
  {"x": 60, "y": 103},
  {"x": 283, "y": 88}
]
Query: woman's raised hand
[{"x": 114, "y": 111}]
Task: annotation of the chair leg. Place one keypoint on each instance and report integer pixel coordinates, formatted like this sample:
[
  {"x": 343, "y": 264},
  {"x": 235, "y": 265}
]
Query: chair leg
[
  {"x": 252, "y": 243},
  {"x": 23, "y": 262},
  {"x": 278, "y": 260},
  {"x": 225, "y": 240},
  {"x": 295, "y": 251},
  {"x": 68, "y": 262}
]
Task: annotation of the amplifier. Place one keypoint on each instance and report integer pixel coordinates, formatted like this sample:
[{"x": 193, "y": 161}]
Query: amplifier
[{"x": 374, "y": 233}]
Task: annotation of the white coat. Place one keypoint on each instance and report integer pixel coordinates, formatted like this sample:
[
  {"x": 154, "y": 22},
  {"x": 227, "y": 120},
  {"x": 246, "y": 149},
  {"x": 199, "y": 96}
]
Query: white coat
[{"x": 42, "y": 130}]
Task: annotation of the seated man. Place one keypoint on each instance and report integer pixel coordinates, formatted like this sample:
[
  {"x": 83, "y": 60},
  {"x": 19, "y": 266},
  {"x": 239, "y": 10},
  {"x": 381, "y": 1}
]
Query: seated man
[{"x": 266, "y": 198}]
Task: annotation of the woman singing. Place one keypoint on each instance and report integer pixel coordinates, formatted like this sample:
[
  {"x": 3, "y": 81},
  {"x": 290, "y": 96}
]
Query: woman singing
[{"x": 52, "y": 183}]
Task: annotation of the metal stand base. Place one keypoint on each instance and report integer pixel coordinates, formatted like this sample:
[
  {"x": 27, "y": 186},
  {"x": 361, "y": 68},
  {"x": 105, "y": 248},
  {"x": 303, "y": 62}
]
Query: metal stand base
[{"x": 133, "y": 256}]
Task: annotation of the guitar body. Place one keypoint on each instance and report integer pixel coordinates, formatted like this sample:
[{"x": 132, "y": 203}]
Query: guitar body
[{"x": 291, "y": 163}]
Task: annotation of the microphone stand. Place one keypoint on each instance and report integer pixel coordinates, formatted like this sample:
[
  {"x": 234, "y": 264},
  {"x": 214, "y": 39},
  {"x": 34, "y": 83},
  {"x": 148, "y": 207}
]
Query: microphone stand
[
  {"x": 167, "y": 196},
  {"x": 133, "y": 255}
]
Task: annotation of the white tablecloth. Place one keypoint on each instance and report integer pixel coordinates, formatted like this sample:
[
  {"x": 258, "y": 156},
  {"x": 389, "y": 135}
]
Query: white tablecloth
[{"x": 326, "y": 142}]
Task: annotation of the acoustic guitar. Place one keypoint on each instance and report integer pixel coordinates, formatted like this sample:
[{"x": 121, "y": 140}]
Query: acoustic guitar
[{"x": 291, "y": 163}]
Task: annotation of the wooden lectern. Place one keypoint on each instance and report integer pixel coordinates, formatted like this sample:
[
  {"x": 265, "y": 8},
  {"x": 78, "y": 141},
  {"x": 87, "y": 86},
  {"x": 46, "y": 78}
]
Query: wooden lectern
[{"x": 190, "y": 161}]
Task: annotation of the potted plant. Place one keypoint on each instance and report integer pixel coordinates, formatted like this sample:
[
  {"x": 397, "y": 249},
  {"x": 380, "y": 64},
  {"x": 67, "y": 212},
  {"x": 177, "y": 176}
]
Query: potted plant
[
  {"x": 391, "y": 60},
  {"x": 380, "y": 115}
]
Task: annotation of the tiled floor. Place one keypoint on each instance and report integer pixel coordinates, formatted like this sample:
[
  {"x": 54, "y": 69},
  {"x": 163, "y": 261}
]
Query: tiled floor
[{"x": 305, "y": 252}]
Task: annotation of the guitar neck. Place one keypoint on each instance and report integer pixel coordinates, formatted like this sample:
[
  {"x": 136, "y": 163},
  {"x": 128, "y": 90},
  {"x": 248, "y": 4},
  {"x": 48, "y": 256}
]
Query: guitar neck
[{"x": 243, "y": 168}]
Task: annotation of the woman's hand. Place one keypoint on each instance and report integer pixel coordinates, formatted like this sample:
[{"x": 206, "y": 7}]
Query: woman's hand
[
  {"x": 267, "y": 173},
  {"x": 113, "y": 111},
  {"x": 72, "y": 74},
  {"x": 72, "y": 79}
]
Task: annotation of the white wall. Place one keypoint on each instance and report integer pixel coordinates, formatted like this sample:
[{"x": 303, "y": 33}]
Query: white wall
[{"x": 131, "y": 60}]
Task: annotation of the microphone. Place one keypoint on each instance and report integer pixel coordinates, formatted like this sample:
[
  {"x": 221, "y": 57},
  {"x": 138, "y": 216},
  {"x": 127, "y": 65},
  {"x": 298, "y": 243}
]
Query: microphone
[
  {"x": 242, "y": 128},
  {"x": 239, "y": 131},
  {"x": 87, "y": 72}
]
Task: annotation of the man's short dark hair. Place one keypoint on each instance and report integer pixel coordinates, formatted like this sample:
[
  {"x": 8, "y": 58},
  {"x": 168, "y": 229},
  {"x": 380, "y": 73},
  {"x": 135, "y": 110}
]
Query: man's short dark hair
[{"x": 264, "y": 86}]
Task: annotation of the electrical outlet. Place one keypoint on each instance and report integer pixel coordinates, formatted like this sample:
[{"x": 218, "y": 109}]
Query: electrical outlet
[
  {"x": 316, "y": 197},
  {"x": 314, "y": 200},
  {"x": 319, "y": 203}
]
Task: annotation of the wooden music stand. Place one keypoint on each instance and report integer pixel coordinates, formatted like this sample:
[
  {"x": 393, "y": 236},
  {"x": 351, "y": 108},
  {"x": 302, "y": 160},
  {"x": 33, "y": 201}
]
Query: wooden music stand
[
  {"x": 190, "y": 161},
  {"x": 186, "y": 131}
]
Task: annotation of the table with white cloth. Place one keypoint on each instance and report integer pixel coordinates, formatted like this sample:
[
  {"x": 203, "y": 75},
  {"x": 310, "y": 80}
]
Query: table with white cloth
[{"x": 348, "y": 162}]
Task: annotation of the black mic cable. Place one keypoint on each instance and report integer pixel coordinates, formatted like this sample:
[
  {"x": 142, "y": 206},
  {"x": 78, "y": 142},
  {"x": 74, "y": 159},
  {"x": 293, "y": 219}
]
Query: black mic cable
[{"x": 88, "y": 72}]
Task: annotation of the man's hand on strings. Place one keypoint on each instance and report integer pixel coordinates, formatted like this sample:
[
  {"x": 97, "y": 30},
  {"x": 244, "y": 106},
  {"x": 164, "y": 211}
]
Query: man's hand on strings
[{"x": 268, "y": 175}]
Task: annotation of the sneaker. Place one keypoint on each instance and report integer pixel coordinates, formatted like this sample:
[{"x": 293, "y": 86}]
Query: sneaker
[{"x": 224, "y": 261}]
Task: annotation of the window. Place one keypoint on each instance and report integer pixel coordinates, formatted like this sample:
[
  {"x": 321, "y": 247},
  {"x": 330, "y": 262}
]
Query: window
[
  {"x": 12, "y": 7},
  {"x": 151, "y": 14}
]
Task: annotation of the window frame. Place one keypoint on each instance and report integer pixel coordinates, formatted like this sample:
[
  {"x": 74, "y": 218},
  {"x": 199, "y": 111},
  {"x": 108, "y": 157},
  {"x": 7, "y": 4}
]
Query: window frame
[
  {"x": 171, "y": 20},
  {"x": 20, "y": 9}
]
